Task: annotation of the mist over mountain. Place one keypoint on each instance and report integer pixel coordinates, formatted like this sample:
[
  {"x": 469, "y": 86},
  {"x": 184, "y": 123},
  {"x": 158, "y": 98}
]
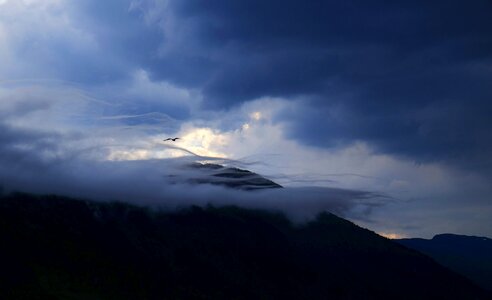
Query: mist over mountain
[{"x": 165, "y": 183}]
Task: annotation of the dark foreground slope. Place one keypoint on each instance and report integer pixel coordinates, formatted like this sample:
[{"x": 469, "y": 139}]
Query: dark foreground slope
[
  {"x": 468, "y": 255},
  {"x": 57, "y": 248}
]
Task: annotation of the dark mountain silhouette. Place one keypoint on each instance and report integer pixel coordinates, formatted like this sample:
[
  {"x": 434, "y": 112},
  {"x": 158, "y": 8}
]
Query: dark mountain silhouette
[
  {"x": 467, "y": 255},
  {"x": 59, "y": 248}
]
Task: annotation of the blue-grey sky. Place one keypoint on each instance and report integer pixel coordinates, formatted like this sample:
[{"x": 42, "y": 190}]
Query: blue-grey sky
[{"x": 392, "y": 97}]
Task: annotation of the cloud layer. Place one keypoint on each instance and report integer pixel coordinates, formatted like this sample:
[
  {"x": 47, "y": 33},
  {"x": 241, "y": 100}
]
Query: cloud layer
[{"x": 35, "y": 162}]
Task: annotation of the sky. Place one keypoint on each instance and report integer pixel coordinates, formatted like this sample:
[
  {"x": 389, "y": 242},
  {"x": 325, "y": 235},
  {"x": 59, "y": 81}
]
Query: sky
[{"x": 376, "y": 110}]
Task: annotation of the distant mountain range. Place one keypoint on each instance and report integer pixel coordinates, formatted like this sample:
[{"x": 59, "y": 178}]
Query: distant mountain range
[
  {"x": 60, "y": 248},
  {"x": 467, "y": 255}
]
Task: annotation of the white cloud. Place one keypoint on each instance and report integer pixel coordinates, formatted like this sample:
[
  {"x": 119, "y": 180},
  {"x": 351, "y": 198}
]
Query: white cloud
[{"x": 35, "y": 35}]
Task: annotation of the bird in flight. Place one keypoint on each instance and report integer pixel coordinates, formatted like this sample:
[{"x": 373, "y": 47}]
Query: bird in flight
[{"x": 171, "y": 139}]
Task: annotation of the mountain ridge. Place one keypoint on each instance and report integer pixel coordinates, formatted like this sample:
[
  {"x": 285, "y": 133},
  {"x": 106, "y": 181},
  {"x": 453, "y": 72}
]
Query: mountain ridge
[
  {"x": 62, "y": 248},
  {"x": 231, "y": 177},
  {"x": 470, "y": 256}
]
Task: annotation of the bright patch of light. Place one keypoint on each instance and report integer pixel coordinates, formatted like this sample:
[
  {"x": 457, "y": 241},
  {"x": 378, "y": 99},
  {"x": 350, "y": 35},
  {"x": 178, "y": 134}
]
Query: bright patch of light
[
  {"x": 256, "y": 116},
  {"x": 392, "y": 236},
  {"x": 203, "y": 141}
]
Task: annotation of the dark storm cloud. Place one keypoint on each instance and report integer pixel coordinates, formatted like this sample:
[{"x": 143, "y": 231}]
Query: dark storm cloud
[
  {"x": 412, "y": 78},
  {"x": 285, "y": 47}
]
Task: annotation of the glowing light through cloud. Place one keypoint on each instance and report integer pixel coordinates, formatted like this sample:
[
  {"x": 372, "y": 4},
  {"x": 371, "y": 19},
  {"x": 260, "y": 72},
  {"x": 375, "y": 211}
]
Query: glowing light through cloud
[
  {"x": 203, "y": 141},
  {"x": 256, "y": 116},
  {"x": 392, "y": 236}
]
